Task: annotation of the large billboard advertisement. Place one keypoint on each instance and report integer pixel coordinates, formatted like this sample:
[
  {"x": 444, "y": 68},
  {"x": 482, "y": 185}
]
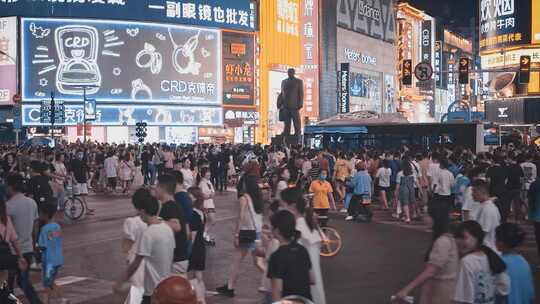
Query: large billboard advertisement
[
  {"x": 505, "y": 23},
  {"x": 120, "y": 62},
  {"x": 238, "y": 69},
  {"x": 230, "y": 14},
  {"x": 309, "y": 11},
  {"x": 129, "y": 115},
  {"x": 8, "y": 59},
  {"x": 374, "y": 18}
]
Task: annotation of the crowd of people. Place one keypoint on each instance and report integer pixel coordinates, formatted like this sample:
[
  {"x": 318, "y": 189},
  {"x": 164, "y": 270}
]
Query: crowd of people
[{"x": 476, "y": 203}]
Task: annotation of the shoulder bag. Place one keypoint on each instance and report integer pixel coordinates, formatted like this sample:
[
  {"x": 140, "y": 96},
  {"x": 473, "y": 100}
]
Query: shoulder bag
[{"x": 248, "y": 236}]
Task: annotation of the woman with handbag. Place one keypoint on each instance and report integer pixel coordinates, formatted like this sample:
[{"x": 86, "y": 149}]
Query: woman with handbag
[{"x": 247, "y": 232}]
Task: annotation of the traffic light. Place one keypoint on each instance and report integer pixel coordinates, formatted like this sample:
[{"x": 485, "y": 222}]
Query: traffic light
[
  {"x": 140, "y": 131},
  {"x": 406, "y": 72},
  {"x": 524, "y": 69},
  {"x": 464, "y": 70}
]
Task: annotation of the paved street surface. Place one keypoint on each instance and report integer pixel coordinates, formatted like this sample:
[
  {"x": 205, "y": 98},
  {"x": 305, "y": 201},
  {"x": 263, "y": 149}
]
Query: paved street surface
[{"x": 376, "y": 260}]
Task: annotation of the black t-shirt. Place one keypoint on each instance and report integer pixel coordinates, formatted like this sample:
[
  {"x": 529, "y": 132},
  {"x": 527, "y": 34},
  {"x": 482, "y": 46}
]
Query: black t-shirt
[
  {"x": 79, "y": 169},
  {"x": 497, "y": 177},
  {"x": 291, "y": 264},
  {"x": 40, "y": 189},
  {"x": 514, "y": 174},
  {"x": 172, "y": 210}
]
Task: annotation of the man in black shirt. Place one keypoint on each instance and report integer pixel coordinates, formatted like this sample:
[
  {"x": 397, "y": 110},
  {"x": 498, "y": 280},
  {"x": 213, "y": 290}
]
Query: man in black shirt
[
  {"x": 171, "y": 211},
  {"x": 78, "y": 169},
  {"x": 514, "y": 185}
]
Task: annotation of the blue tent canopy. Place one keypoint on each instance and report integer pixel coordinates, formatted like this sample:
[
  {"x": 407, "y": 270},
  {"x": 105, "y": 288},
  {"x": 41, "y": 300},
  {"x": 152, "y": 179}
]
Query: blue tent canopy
[{"x": 335, "y": 129}]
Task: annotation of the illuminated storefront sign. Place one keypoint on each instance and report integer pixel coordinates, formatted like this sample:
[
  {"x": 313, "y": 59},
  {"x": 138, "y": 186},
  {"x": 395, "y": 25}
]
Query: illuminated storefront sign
[
  {"x": 119, "y": 115},
  {"x": 230, "y": 14},
  {"x": 508, "y": 58},
  {"x": 426, "y": 41},
  {"x": 374, "y": 18},
  {"x": 8, "y": 59},
  {"x": 505, "y": 23},
  {"x": 343, "y": 88},
  {"x": 356, "y": 56},
  {"x": 238, "y": 69},
  {"x": 288, "y": 17},
  {"x": 120, "y": 62},
  {"x": 457, "y": 41},
  {"x": 437, "y": 64},
  {"x": 247, "y": 117},
  {"x": 309, "y": 11}
]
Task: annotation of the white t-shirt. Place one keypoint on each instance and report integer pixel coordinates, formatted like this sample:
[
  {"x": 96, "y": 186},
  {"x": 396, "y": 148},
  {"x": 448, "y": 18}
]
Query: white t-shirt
[
  {"x": 157, "y": 247},
  {"x": 111, "y": 164},
  {"x": 469, "y": 204},
  {"x": 281, "y": 185},
  {"x": 383, "y": 174},
  {"x": 60, "y": 169},
  {"x": 529, "y": 172},
  {"x": 417, "y": 171},
  {"x": 207, "y": 189},
  {"x": 432, "y": 171},
  {"x": 444, "y": 180},
  {"x": 489, "y": 218},
  {"x": 134, "y": 228},
  {"x": 476, "y": 284},
  {"x": 188, "y": 178}
]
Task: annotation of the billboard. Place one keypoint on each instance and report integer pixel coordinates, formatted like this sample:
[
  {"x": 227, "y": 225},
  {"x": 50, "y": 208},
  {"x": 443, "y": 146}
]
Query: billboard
[
  {"x": 374, "y": 18},
  {"x": 427, "y": 44},
  {"x": 120, "y": 62},
  {"x": 8, "y": 59},
  {"x": 505, "y": 23},
  {"x": 129, "y": 115},
  {"x": 343, "y": 104},
  {"x": 230, "y": 14},
  {"x": 238, "y": 69},
  {"x": 309, "y": 11}
]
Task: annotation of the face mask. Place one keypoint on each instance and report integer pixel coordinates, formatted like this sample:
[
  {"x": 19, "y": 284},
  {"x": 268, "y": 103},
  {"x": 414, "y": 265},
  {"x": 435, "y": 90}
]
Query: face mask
[{"x": 322, "y": 177}]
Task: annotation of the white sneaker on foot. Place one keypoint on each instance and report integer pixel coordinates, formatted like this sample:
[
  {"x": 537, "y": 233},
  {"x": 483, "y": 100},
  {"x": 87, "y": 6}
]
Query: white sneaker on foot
[
  {"x": 35, "y": 266},
  {"x": 343, "y": 210},
  {"x": 349, "y": 218}
]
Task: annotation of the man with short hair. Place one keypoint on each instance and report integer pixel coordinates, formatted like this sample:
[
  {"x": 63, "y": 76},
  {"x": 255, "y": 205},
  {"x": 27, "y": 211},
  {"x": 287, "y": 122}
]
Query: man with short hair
[
  {"x": 156, "y": 248},
  {"x": 488, "y": 215},
  {"x": 292, "y": 99},
  {"x": 79, "y": 172},
  {"x": 23, "y": 212},
  {"x": 182, "y": 196},
  {"x": 172, "y": 212}
]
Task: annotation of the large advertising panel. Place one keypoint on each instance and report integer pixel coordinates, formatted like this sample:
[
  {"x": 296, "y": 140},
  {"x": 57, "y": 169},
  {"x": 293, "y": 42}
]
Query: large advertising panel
[
  {"x": 231, "y": 14},
  {"x": 120, "y": 62},
  {"x": 309, "y": 10},
  {"x": 8, "y": 59},
  {"x": 505, "y": 23},
  {"x": 374, "y": 18},
  {"x": 238, "y": 69},
  {"x": 129, "y": 115}
]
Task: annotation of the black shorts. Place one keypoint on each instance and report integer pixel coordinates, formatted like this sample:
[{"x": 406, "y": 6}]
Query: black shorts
[
  {"x": 385, "y": 189},
  {"x": 111, "y": 182}
]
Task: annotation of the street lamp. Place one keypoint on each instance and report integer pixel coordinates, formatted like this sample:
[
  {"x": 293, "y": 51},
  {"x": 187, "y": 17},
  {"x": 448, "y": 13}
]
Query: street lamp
[{"x": 84, "y": 87}]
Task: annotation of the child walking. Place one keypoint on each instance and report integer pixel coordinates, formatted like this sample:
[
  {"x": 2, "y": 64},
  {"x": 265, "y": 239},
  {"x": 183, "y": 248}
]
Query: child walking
[{"x": 50, "y": 243}]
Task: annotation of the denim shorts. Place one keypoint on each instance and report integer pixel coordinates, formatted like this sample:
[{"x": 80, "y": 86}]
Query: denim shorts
[{"x": 251, "y": 246}]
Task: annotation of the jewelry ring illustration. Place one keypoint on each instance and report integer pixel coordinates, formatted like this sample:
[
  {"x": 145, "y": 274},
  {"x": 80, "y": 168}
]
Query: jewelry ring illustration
[
  {"x": 155, "y": 61},
  {"x": 139, "y": 86},
  {"x": 187, "y": 51}
]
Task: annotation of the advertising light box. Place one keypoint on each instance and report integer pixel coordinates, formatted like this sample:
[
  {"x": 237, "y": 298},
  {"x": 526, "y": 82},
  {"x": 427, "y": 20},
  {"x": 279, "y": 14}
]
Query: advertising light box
[
  {"x": 120, "y": 62},
  {"x": 8, "y": 59},
  {"x": 115, "y": 115},
  {"x": 230, "y": 14}
]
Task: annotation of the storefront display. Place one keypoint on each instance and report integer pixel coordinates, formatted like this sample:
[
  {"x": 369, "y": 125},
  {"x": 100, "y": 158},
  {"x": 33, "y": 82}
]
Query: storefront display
[
  {"x": 238, "y": 69},
  {"x": 373, "y": 18}
]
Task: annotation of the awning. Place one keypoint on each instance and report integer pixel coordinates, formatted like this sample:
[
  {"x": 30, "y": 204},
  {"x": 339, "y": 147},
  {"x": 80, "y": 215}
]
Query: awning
[{"x": 335, "y": 130}]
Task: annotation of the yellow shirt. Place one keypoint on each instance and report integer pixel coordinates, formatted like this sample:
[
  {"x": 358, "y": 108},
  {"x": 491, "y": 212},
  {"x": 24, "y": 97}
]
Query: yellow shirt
[
  {"x": 320, "y": 190},
  {"x": 343, "y": 169}
]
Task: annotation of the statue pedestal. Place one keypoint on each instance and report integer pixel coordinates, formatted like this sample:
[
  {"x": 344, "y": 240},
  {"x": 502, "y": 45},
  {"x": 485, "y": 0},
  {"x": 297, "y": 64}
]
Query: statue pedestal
[{"x": 286, "y": 140}]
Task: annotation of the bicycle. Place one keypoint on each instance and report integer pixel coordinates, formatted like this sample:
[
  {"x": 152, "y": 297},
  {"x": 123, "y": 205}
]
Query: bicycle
[
  {"x": 331, "y": 241},
  {"x": 74, "y": 208}
]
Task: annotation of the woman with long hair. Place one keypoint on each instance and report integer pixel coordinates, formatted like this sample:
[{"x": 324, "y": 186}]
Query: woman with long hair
[
  {"x": 207, "y": 188},
  {"x": 284, "y": 175},
  {"x": 247, "y": 231},
  {"x": 197, "y": 259},
  {"x": 405, "y": 193},
  {"x": 310, "y": 238},
  {"x": 383, "y": 182},
  {"x": 126, "y": 170},
  {"x": 482, "y": 273}
]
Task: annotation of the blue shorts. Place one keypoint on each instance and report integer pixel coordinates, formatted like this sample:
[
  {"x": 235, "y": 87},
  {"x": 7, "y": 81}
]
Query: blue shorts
[
  {"x": 49, "y": 274},
  {"x": 250, "y": 246}
]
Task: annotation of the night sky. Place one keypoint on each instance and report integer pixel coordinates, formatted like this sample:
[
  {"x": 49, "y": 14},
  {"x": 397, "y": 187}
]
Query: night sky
[{"x": 456, "y": 13}]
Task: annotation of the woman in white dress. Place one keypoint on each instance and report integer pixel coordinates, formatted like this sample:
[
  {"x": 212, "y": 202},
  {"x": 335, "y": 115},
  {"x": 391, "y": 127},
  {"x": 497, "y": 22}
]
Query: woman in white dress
[
  {"x": 310, "y": 238},
  {"x": 203, "y": 181}
]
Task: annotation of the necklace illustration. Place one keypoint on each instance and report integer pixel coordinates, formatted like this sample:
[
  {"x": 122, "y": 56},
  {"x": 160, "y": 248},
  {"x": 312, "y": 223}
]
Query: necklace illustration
[{"x": 187, "y": 51}]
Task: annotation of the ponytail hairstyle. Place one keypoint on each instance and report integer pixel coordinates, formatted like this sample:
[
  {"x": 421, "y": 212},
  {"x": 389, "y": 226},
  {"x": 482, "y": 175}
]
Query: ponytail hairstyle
[
  {"x": 496, "y": 264},
  {"x": 285, "y": 223},
  {"x": 252, "y": 188},
  {"x": 293, "y": 197},
  {"x": 201, "y": 174}
]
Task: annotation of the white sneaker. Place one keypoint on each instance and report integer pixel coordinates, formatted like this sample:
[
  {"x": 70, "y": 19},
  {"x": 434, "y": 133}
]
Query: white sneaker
[
  {"x": 35, "y": 266},
  {"x": 349, "y": 218},
  {"x": 343, "y": 210}
]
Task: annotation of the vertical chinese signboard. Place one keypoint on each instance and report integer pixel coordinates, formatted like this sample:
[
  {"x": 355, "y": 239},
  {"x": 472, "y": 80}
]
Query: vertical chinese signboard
[
  {"x": 238, "y": 69},
  {"x": 309, "y": 11},
  {"x": 438, "y": 64},
  {"x": 8, "y": 59},
  {"x": 343, "y": 104}
]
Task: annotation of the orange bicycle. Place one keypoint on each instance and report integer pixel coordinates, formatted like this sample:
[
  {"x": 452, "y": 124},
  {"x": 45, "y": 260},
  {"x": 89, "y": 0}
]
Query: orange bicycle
[{"x": 331, "y": 241}]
